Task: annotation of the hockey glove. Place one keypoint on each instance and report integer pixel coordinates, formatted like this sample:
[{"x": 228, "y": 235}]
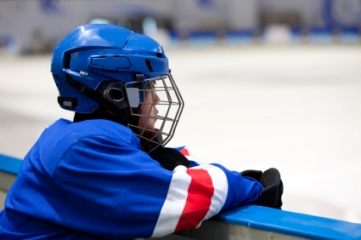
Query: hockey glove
[
  {"x": 169, "y": 158},
  {"x": 271, "y": 195}
]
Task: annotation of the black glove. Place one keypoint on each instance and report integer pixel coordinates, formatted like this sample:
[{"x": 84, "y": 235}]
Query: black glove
[
  {"x": 271, "y": 195},
  {"x": 169, "y": 158}
]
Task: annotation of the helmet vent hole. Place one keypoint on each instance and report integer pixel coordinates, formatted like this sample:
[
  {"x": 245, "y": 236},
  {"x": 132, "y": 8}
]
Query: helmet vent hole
[
  {"x": 115, "y": 94},
  {"x": 148, "y": 65},
  {"x": 159, "y": 55},
  {"x": 67, "y": 61}
]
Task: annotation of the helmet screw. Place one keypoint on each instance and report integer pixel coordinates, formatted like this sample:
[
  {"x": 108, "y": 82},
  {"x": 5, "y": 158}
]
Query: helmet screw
[{"x": 84, "y": 74}]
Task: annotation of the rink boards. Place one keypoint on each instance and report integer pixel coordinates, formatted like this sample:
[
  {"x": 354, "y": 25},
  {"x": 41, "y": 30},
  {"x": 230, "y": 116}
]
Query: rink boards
[{"x": 247, "y": 222}]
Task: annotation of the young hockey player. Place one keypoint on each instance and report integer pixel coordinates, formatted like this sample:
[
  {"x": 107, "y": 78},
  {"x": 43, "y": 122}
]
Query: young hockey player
[{"x": 108, "y": 174}]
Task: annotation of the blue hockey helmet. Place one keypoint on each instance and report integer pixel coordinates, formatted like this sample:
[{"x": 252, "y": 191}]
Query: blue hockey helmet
[{"x": 103, "y": 67}]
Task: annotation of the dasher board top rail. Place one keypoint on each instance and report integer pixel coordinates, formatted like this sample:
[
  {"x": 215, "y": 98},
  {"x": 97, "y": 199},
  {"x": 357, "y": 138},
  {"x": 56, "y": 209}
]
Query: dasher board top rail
[
  {"x": 10, "y": 164},
  {"x": 261, "y": 218},
  {"x": 291, "y": 223}
]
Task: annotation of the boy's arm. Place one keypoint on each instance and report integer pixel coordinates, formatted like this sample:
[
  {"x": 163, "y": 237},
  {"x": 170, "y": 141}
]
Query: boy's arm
[
  {"x": 120, "y": 191},
  {"x": 198, "y": 193},
  {"x": 271, "y": 195}
]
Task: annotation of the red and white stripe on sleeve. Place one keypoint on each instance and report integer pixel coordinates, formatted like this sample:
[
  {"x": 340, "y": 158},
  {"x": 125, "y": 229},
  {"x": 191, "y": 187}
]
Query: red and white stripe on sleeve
[
  {"x": 194, "y": 195},
  {"x": 186, "y": 153}
]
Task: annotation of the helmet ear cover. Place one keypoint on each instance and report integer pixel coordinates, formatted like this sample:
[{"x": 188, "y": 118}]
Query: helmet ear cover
[
  {"x": 113, "y": 92},
  {"x": 110, "y": 95}
]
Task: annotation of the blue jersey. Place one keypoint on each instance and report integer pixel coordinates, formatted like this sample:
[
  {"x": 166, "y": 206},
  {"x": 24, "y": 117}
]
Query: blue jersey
[{"x": 91, "y": 180}]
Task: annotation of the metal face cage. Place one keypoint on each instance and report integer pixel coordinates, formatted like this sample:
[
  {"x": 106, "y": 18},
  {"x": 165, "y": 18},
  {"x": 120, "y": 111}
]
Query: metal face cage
[{"x": 161, "y": 106}]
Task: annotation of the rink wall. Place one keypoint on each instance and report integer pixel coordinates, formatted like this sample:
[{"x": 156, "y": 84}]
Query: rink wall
[
  {"x": 33, "y": 27},
  {"x": 247, "y": 222}
]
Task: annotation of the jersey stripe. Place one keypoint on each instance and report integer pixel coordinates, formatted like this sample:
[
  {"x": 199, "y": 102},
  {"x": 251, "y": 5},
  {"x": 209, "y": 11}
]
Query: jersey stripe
[
  {"x": 220, "y": 184},
  {"x": 194, "y": 195},
  {"x": 200, "y": 193},
  {"x": 185, "y": 152},
  {"x": 174, "y": 203}
]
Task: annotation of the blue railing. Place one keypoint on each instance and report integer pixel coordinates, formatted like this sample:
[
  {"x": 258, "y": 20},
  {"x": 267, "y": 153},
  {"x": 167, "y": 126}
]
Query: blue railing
[
  {"x": 10, "y": 164},
  {"x": 291, "y": 223}
]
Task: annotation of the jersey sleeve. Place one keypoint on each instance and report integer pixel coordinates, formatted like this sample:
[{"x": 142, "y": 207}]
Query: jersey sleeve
[
  {"x": 197, "y": 194},
  {"x": 117, "y": 191}
]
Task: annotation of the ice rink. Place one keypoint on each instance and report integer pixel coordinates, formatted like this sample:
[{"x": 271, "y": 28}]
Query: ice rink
[{"x": 297, "y": 108}]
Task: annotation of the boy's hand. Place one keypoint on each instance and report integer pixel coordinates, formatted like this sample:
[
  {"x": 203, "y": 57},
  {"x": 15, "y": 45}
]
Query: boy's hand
[{"x": 271, "y": 195}]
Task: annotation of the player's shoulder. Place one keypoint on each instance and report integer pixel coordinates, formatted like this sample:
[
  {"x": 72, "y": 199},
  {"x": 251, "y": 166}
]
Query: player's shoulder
[{"x": 63, "y": 129}]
